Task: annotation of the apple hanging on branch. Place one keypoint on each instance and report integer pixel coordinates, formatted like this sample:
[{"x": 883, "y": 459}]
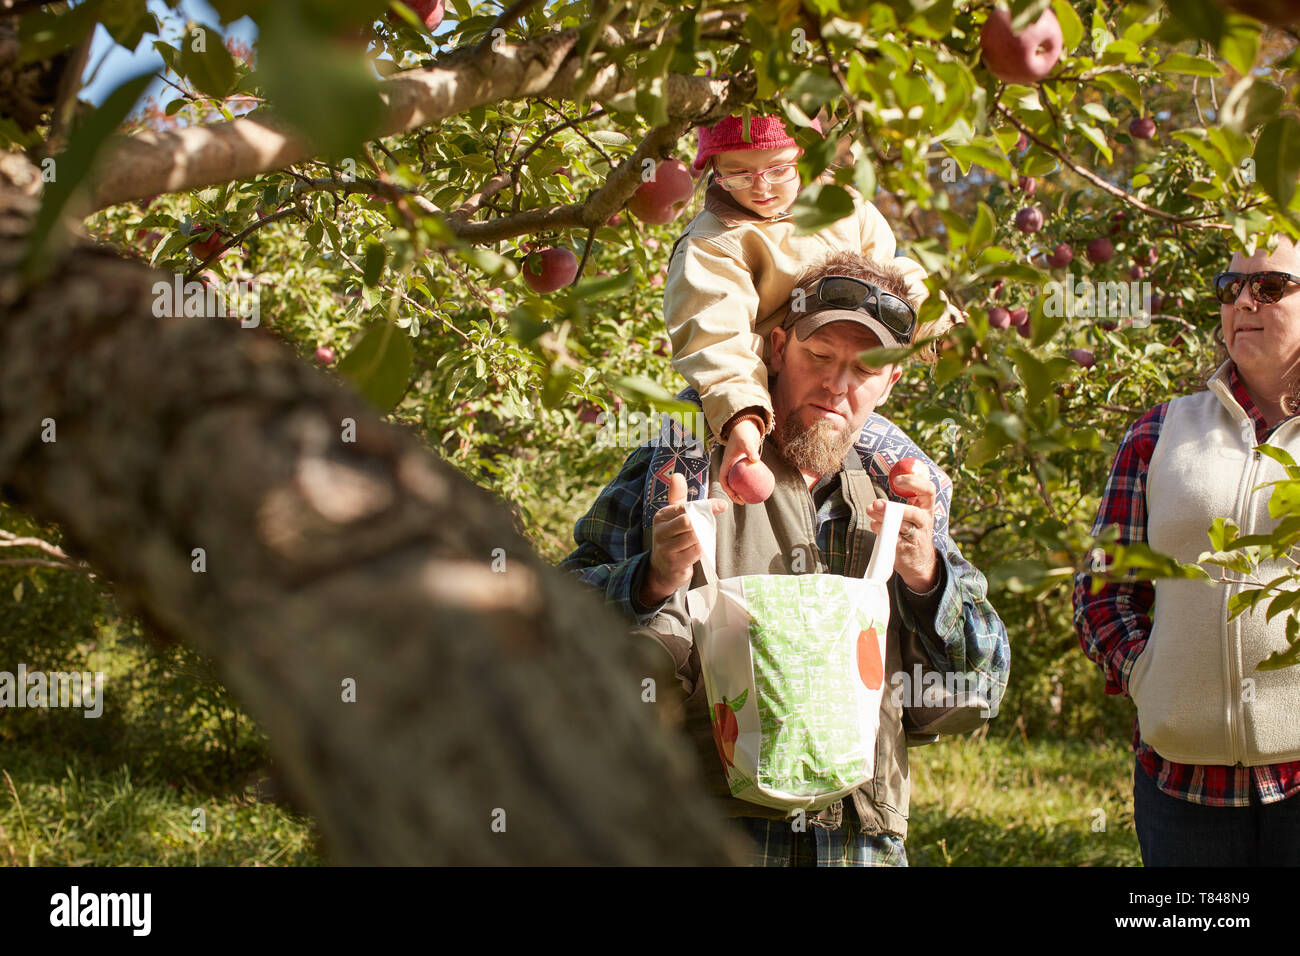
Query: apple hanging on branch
[
  {"x": 546, "y": 270},
  {"x": 428, "y": 12},
  {"x": 1144, "y": 127},
  {"x": 1024, "y": 57},
  {"x": 1029, "y": 220},
  {"x": 662, "y": 197},
  {"x": 1100, "y": 250},
  {"x": 1061, "y": 256}
]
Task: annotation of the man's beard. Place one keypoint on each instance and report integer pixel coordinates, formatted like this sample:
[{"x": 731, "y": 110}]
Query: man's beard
[{"x": 816, "y": 449}]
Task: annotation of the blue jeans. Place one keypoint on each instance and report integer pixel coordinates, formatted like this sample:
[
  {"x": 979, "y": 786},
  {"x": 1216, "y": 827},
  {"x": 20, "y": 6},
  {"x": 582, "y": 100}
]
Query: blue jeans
[{"x": 1176, "y": 832}]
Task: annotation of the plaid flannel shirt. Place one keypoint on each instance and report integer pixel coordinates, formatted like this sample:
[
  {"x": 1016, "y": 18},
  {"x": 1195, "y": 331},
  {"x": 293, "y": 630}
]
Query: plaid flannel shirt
[
  {"x": 1113, "y": 624},
  {"x": 954, "y": 619}
]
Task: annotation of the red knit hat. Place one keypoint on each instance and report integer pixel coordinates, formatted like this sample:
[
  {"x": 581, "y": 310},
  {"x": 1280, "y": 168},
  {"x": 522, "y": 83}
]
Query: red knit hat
[{"x": 765, "y": 132}]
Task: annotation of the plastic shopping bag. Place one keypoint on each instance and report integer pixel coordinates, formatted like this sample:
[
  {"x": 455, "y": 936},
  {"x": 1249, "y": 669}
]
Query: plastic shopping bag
[{"x": 793, "y": 668}]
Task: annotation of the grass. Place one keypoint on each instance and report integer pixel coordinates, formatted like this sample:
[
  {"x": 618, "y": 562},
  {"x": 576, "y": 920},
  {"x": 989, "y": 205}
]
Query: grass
[
  {"x": 975, "y": 802},
  {"x": 65, "y": 813},
  {"x": 979, "y": 801}
]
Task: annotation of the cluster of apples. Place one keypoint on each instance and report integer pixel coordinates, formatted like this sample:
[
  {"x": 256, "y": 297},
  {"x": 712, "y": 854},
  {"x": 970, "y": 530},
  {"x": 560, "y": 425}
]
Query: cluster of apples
[{"x": 657, "y": 201}]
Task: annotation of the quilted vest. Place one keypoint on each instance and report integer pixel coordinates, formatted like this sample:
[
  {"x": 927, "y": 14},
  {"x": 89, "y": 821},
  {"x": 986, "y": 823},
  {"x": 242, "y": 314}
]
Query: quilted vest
[{"x": 1200, "y": 698}]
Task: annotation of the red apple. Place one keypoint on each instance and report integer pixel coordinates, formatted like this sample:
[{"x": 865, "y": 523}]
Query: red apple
[
  {"x": 1157, "y": 303},
  {"x": 902, "y": 468},
  {"x": 1022, "y": 143},
  {"x": 661, "y": 199},
  {"x": 1099, "y": 250},
  {"x": 546, "y": 270},
  {"x": 429, "y": 12},
  {"x": 752, "y": 481},
  {"x": 1029, "y": 220},
  {"x": 1148, "y": 256},
  {"x": 588, "y": 413},
  {"x": 1027, "y": 185},
  {"x": 1024, "y": 57},
  {"x": 614, "y": 220},
  {"x": 1083, "y": 357},
  {"x": 1117, "y": 220},
  {"x": 1136, "y": 273},
  {"x": 203, "y": 249},
  {"x": 1144, "y": 127},
  {"x": 324, "y": 355},
  {"x": 1019, "y": 317},
  {"x": 999, "y": 318},
  {"x": 1061, "y": 256}
]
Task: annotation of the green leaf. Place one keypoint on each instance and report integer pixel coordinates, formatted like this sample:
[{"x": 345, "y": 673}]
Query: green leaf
[
  {"x": 1122, "y": 84},
  {"x": 1222, "y": 533},
  {"x": 981, "y": 232},
  {"x": 1188, "y": 65},
  {"x": 1240, "y": 45},
  {"x": 327, "y": 93},
  {"x": 1283, "y": 602},
  {"x": 638, "y": 388},
  {"x": 599, "y": 286},
  {"x": 1098, "y": 139},
  {"x": 43, "y": 34},
  {"x": 373, "y": 266},
  {"x": 820, "y": 205},
  {"x": 75, "y": 162},
  {"x": 1025, "y": 12},
  {"x": 1277, "y": 158},
  {"x": 380, "y": 365},
  {"x": 1282, "y": 457},
  {"x": 1071, "y": 25},
  {"x": 1250, "y": 103},
  {"x": 981, "y": 154},
  {"x": 212, "y": 69}
]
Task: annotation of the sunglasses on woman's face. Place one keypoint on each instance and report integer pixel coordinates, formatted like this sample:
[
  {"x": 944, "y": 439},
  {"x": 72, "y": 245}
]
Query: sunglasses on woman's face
[
  {"x": 844, "y": 292},
  {"x": 1265, "y": 287}
]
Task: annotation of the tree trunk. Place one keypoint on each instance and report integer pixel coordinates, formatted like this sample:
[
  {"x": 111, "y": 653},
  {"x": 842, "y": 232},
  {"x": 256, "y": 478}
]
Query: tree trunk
[{"x": 481, "y": 695}]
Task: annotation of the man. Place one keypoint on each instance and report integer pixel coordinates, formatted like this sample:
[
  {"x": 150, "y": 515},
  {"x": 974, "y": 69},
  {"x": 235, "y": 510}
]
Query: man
[{"x": 822, "y": 517}]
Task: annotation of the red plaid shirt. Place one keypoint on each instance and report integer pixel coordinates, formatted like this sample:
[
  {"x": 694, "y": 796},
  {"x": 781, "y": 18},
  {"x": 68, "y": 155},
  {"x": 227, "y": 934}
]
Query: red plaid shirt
[{"x": 1113, "y": 624}]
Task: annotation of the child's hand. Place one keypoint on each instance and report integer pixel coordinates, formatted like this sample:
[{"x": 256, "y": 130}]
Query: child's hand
[{"x": 743, "y": 445}]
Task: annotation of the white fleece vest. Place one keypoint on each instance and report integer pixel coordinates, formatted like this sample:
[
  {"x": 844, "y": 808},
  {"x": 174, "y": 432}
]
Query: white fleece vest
[{"x": 1200, "y": 698}]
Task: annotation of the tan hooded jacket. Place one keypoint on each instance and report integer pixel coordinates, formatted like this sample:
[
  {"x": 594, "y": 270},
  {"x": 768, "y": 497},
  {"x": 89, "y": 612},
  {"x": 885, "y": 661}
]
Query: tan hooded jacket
[{"x": 730, "y": 272}]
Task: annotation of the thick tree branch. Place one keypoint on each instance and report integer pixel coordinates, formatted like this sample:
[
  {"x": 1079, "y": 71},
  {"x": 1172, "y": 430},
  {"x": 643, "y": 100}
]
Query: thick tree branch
[
  {"x": 498, "y": 713},
  {"x": 151, "y": 162}
]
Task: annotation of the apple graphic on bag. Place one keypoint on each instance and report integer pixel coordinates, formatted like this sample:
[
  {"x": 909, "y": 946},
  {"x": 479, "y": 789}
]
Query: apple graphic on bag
[
  {"x": 871, "y": 664},
  {"x": 725, "y": 727}
]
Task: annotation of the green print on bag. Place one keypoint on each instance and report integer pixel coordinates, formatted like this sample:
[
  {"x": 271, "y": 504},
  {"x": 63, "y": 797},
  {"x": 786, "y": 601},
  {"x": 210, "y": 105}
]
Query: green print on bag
[{"x": 813, "y": 655}]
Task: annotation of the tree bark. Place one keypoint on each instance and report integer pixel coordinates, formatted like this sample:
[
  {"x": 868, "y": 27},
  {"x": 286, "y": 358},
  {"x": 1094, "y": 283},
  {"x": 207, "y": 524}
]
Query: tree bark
[{"x": 511, "y": 696}]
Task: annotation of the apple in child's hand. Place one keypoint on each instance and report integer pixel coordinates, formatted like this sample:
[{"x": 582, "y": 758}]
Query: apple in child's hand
[
  {"x": 752, "y": 481},
  {"x": 904, "y": 467}
]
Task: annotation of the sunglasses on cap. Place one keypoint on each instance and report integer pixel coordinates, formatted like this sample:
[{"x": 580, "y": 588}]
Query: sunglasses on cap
[
  {"x": 845, "y": 292},
  {"x": 1265, "y": 287}
]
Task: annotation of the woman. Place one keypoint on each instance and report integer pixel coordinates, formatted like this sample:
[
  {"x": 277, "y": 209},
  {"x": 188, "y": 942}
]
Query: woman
[{"x": 1217, "y": 741}]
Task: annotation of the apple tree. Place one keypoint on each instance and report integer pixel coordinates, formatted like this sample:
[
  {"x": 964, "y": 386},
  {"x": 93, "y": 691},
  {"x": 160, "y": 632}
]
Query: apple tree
[{"x": 460, "y": 224}]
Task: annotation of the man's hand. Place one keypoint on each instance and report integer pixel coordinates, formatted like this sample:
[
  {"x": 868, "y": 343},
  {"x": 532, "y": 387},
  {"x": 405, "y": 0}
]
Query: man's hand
[
  {"x": 915, "y": 559},
  {"x": 674, "y": 548},
  {"x": 743, "y": 442}
]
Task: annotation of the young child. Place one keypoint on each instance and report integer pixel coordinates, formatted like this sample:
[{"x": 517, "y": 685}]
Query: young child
[{"x": 735, "y": 266}]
